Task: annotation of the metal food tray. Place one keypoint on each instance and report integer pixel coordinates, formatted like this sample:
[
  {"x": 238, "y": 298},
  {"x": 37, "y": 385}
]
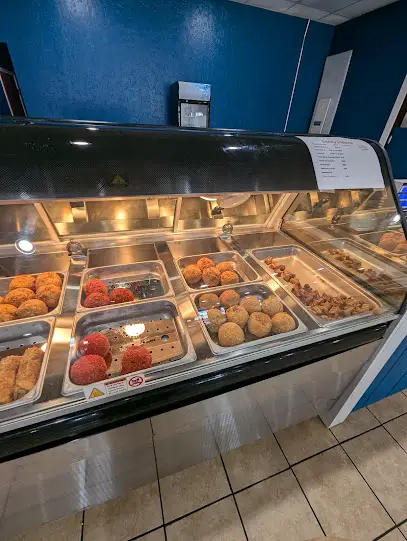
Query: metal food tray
[
  {"x": 262, "y": 292},
  {"x": 116, "y": 317},
  {"x": 243, "y": 269},
  {"x": 126, "y": 276},
  {"x": 374, "y": 238},
  {"x": 4, "y": 283},
  {"x": 369, "y": 260},
  {"x": 14, "y": 340},
  {"x": 310, "y": 269}
]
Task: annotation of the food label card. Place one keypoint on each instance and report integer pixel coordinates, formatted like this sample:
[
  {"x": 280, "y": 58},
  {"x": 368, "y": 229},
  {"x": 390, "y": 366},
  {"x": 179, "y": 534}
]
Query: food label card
[{"x": 341, "y": 163}]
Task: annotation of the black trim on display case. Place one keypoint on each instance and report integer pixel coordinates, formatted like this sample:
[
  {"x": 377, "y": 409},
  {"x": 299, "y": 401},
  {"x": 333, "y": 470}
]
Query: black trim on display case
[{"x": 133, "y": 408}]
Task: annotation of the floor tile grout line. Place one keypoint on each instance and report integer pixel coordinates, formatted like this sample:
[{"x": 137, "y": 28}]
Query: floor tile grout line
[
  {"x": 390, "y": 434},
  {"x": 362, "y": 476},
  {"x": 83, "y": 525},
  {"x": 357, "y": 435},
  {"x": 158, "y": 480},
  {"x": 238, "y": 491},
  {"x": 396, "y": 527},
  {"x": 146, "y": 533},
  {"x": 170, "y": 522},
  {"x": 392, "y": 419},
  {"x": 234, "y": 498}
]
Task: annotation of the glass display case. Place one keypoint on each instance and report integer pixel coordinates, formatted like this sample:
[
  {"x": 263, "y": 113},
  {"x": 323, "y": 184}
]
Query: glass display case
[{"x": 144, "y": 268}]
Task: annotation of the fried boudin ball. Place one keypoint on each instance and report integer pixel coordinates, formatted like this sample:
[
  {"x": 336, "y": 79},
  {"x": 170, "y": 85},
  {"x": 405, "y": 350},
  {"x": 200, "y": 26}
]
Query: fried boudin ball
[
  {"x": 216, "y": 318},
  {"x": 282, "y": 322},
  {"x": 208, "y": 300},
  {"x": 251, "y": 303},
  {"x": 225, "y": 266},
  {"x": 204, "y": 262},
  {"x": 259, "y": 324},
  {"x": 8, "y": 312},
  {"x": 49, "y": 294},
  {"x": 211, "y": 276},
  {"x": 19, "y": 295},
  {"x": 22, "y": 280},
  {"x": 192, "y": 274},
  {"x": 48, "y": 278},
  {"x": 32, "y": 308},
  {"x": 230, "y": 334},
  {"x": 229, "y": 298},
  {"x": 229, "y": 277},
  {"x": 272, "y": 306},
  {"x": 237, "y": 314}
]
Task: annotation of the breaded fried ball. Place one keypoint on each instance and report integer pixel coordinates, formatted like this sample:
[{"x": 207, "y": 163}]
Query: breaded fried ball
[
  {"x": 230, "y": 334},
  {"x": 229, "y": 277},
  {"x": 401, "y": 248},
  {"x": 211, "y": 276},
  {"x": 204, "y": 262},
  {"x": 282, "y": 322},
  {"x": 8, "y": 312},
  {"x": 48, "y": 278},
  {"x": 22, "y": 280},
  {"x": 237, "y": 314},
  {"x": 207, "y": 301},
  {"x": 225, "y": 266},
  {"x": 259, "y": 324},
  {"x": 192, "y": 274},
  {"x": 229, "y": 298},
  {"x": 19, "y": 295},
  {"x": 49, "y": 294},
  {"x": 216, "y": 318},
  {"x": 32, "y": 308},
  {"x": 272, "y": 306},
  {"x": 251, "y": 303}
]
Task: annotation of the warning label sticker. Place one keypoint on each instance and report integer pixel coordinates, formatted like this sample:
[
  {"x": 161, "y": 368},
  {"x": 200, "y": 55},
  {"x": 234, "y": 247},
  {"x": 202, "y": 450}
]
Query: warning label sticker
[{"x": 113, "y": 387}]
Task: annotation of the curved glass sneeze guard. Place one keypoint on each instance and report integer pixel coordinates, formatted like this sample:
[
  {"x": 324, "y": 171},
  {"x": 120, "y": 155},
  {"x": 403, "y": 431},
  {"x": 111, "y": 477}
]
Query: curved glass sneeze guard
[{"x": 359, "y": 233}]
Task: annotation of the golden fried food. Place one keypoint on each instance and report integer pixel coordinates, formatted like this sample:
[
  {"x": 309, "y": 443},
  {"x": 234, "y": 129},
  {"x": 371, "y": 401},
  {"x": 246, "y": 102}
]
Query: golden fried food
[
  {"x": 229, "y": 277},
  {"x": 237, "y": 314},
  {"x": 225, "y": 266},
  {"x": 19, "y": 295},
  {"x": 208, "y": 300},
  {"x": 48, "y": 278},
  {"x": 230, "y": 334},
  {"x": 259, "y": 324},
  {"x": 400, "y": 248},
  {"x": 49, "y": 294},
  {"x": 272, "y": 306},
  {"x": 32, "y": 308},
  {"x": 211, "y": 276},
  {"x": 22, "y": 280},
  {"x": 216, "y": 318},
  {"x": 204, "y": 262},
  {"x": 192, "y": 274},
  {"x": 251, "y": 303},
  {"x": 1, "y": 299},
  {"x": 229, "y": 298},
  {"x": 8, "y": 371},
  {"x": 8, "y": 312},
  {"x": 282, "y": 322},
  {"x": 28, "y": 371}
]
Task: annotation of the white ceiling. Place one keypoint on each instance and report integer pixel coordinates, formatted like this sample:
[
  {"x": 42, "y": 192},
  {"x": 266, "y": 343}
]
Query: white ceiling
[{"x": 326, "y": 11}]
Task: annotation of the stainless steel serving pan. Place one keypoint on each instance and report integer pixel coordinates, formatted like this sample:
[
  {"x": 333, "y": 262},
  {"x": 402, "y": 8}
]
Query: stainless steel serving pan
[
  {"x": 242, "y": 268},
  {"x": 397, "y": 279},
  {"x": 374, "y": 239},
  {"x": 4, "y": 283},
  {"x": 125, "y": 276},
  {"x": 15, "y": 339},
  {"x": 318, "y": 274},
  {"x": 262, "y": 292},
  {"x": 117, "y": 317}
]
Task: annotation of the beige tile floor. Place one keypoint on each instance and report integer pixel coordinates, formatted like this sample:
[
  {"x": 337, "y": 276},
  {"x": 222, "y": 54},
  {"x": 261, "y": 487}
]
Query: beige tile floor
[{"x": 303, "y": 482}]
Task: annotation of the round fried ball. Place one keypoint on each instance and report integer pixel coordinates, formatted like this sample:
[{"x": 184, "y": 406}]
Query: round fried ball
[
  {"x": 204, "y": 262},
  {"x": 251, "y": 303},
  {"x": 192, "y": 274},
  {"x": 121, "y": 294},
  {"x": 32, "y": 308},
  {"x": 94, "y": 344},
  {"x": 94, "y": 285},
  {"x": 237, "y": 314},
  {"x": 96, "y": 299},
  {"x": 136, "y": 358},
  {"x": 282, "y": 322},
  {"x": 229, "y": 277},
  {"x": 19, "y": 295},
  {"x": 216, "y": 318},
  {"x": 88, "y": 369},
  {"x": 229, "y": 298},
  {"x": 230, "y": 334},
  {"x": 211, "y": 276},
  {"x": 259, "y": 324},
  {"x": 401, "y": 248},
  {"x": 48, "y": 278},
  {"x": 207, "y": 301},
  {"x": 8, "y": 312},
  {"x": 49, "y": 294},
  {"x": 272, "y": 306},
  {"x": 23, "y": 280},
  {"x": 225, "y": 266}
]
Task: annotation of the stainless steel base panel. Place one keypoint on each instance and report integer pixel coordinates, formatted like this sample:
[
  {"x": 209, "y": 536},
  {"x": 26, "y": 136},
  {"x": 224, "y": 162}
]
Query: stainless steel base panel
[{"x": 46, "y": 486}]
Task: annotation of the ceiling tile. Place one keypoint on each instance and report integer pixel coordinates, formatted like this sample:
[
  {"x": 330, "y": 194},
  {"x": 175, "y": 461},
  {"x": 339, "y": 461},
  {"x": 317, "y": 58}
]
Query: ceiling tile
[
  {"x": 328, "y": 5},
  {"x": 275, "y": 5},
  {"x": 299, "y": 10},
  {"x": 334, "y": 19},
  {"x": 363, "y": 6}
]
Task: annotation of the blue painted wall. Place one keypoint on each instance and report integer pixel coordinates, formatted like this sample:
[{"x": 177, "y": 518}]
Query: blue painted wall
[
  {"x": 377, "y": 69},
  {"x": 115, "y": 60},
  {"x": 397, "y": 150}
]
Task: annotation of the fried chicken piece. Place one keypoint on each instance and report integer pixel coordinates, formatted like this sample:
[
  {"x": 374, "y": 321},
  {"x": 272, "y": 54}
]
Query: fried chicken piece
[
  {"x": 28, "y": 371},
  {"x": 8, "y": 371}
]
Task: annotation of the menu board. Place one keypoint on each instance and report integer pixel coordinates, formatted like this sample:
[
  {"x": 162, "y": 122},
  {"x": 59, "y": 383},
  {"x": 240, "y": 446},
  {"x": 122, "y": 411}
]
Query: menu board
[{"x": 341, "y": 163}]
